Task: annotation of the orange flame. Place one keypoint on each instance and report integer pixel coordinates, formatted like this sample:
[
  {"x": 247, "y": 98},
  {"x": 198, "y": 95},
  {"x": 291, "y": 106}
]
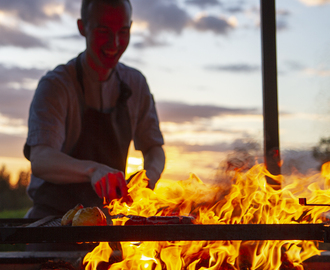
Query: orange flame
[
  {"x": 247, "y": 200},
  {"x": 99, "y": 254}
]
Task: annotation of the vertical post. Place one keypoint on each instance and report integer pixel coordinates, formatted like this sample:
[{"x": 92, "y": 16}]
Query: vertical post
[{"x": 269, "y": 81}]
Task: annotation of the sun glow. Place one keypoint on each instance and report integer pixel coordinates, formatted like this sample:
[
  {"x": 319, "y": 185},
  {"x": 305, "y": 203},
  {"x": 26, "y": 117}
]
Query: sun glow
[
  {"x": 8, "y": 19},
  {"x": 54, "y": 9},
  {"x": 314, "y": 2},
  {"x": 14, "y": 167},
  {"x": 134, "y": 164}
]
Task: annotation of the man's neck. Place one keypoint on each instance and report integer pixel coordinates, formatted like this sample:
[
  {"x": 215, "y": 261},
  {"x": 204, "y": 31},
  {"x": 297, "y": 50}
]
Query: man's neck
[{"x": 103, "y": 74}]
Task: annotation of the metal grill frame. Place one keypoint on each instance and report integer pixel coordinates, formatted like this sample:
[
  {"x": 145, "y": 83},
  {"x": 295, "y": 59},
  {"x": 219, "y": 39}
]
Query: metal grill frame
[{"x": 178, "y": 232}]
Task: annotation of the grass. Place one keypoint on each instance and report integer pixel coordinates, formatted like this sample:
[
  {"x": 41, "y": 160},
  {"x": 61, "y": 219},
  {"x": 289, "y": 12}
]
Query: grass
[{"x": 12, "y": 214}]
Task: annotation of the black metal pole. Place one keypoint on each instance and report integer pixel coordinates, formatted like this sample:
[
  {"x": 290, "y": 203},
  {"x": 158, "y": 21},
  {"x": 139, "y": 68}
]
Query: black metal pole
[{"x": 269, "y": 80}]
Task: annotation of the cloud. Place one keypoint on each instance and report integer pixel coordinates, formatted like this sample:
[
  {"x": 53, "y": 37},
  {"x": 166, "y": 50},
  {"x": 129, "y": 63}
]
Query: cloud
[
  {"x": 167, "y": 16},
  {"x": 15, "y": 103},
  {"x": 73, "y": 7},
  {"x": 11, "y": 146},
  {"x": 217, "y": 147},
  {"x": 15, "y": 98},
  {"x": 237, "y": 68},
  {"x": 149, "y": 41},
  {"x": 203, "y": 3},
  {"x": 179, "y": 112},
  {"x": 282, "y": 16},
  {"x": 315, "y": 2},
  {"x": 228, "y": 7},
  {"x": 134, "y": 60},
  {"x": 36, "y": 12},
  {"x": 18, "y": 75},
  {"x": 281, "y": 25},
  {"x": 211, "y": 23},
  {"x": 239, "y": 144},
  {"x": 234, "y": 9},
  {"x": 33, "y": 11},
  {"x": 72, "y": 37},
  {"x": 12, "y": 126},
  {"x": 320, "y": 72},
  {"x": 15, "y": 37},
  {"x": 294, "y": 65},
  {"x": 283, "y": 12},
  {"x": 160, "y": 15}
]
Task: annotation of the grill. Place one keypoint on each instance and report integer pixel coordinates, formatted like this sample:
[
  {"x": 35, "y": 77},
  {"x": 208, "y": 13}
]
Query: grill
[{"x": 49, "y": 230}]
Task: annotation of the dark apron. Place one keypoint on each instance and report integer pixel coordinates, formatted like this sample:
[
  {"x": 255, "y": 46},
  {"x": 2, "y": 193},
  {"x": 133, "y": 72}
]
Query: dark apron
[{"x": 104, "y": 138}]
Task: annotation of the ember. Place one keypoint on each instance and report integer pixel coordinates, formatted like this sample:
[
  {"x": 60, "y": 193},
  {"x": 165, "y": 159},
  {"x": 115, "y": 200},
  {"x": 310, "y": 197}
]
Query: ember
[{"x": 249, "y": 200}]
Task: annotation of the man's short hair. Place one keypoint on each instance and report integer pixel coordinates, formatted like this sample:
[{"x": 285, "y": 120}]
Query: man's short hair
[{"x": 85, "y": 4}]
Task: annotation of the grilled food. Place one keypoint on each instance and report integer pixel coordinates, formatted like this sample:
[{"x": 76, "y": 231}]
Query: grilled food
[
  {"x": 89, "y": 216},
  {"x": 68, "y": 217}
]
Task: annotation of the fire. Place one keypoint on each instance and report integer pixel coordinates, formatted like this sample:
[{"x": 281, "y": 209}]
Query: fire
[
  {"x": 239, "y": 198},
  {"x": 99, "y": 254}
]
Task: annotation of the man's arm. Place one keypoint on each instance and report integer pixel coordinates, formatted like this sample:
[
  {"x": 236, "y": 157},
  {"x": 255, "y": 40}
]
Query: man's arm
[
  {"x": 59, "y": 168},
  {"x": 154, "y": 162}
]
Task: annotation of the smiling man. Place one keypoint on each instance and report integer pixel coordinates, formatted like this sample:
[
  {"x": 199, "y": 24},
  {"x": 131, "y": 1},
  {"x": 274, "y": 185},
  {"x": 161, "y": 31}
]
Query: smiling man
[{"x": 85, "y": 114}]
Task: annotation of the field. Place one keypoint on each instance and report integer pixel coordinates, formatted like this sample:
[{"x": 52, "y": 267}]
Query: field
[{"x": 13, "y": 213}]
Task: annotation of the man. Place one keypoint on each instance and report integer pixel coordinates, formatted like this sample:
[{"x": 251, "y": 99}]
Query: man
[{"x": 84, "y": 115}]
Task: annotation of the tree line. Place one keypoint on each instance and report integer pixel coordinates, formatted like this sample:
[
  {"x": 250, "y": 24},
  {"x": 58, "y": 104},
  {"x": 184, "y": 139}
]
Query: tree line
[
  {"x": 321, "y": 152},
  {"x": 14, "y": 197}
]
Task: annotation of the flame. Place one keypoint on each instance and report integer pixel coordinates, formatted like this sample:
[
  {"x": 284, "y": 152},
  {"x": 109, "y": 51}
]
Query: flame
[
  {"x": 248, "y": 199},
  {"x": 99, "y": 254}
]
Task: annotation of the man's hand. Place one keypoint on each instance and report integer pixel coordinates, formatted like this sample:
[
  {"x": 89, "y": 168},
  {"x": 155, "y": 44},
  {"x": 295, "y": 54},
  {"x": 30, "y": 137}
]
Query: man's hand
[{"x": 111, "y": 186}]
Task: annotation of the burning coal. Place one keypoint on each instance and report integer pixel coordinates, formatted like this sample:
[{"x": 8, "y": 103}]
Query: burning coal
[{"x": 247, "y": 200}]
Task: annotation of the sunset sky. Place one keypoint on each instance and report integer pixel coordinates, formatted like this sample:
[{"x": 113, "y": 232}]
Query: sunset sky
[{"x": 202, "y": 60}]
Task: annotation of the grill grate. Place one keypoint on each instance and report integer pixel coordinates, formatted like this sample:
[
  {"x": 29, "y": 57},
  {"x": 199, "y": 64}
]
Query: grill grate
[{"x": 56, "y": 222}]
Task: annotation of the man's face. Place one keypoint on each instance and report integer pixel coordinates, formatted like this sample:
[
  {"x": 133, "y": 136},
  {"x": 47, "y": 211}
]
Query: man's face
[{"x": 107, "y": 33}]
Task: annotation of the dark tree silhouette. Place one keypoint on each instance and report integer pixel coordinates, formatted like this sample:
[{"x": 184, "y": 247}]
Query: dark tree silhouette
[
  {"x": 321, "y": 152},
  {"x": 14, "y": 197}
]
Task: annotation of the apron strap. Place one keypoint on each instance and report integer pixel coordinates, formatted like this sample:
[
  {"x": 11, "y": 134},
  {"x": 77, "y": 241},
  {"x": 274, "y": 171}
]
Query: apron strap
[{"x": 79, "y": 71}]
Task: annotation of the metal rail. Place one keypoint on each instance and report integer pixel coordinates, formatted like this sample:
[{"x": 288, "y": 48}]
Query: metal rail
[
  {"x": 303, "y": 201},
  {"x": 241, "y": 232}
]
